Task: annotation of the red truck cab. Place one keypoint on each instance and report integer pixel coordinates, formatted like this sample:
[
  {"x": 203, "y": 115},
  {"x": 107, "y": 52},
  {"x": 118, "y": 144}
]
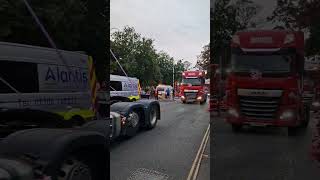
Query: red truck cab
[
  {"x": 192, "y": 88},
  {"x": 265, "y": 85}
]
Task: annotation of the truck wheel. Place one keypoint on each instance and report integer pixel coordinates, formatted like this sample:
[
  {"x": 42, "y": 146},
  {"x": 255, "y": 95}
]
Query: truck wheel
[
  {"x": 133, "y": 124},
  {"x": 203, "y": 102},
  {"x": 236, "y": 127},
  {"x": 153, "y": 117},
  {"x": 183, "y": 102},
  {"x": 292, "y": 131},
  {"x": 73, "y": 170}
]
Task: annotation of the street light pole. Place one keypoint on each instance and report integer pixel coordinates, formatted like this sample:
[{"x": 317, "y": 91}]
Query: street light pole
[
  {"x": 173, "y": 75},
  {"x": 173, "y": 79}
]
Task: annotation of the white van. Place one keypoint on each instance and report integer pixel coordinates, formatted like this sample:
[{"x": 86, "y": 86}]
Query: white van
[
  {"x": 161, "y": 89},
  {"x": 123, "y": 86},
  {"x": 33, "y": 77}
]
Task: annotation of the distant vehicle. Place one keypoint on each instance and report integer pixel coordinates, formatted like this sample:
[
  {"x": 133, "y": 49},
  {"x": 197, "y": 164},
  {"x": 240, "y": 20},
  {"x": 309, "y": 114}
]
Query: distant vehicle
[
  {"x": 161, "y": 89},
  {"x": 192, "y": 88},
  {"x": 122, "y": 86},
  {"x": 265, "y": 85}
]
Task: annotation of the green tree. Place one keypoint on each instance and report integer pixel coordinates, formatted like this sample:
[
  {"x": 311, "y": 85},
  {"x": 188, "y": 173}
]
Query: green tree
[
  {"x": 227, "y": 17},
  {"x": 136, "y": 54},
  {"x": 178, "y": 69},
  {"x": 300, "y": 15},
  {"x": 75, "y": 25},
  {"x": 165, "y": 63},
  {"x": 140, "y": 59},
  {"x": 204, "y": 57}
]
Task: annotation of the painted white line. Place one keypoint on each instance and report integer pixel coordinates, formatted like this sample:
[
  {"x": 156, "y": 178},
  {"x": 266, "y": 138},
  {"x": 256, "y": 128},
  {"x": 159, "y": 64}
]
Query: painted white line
[
  {"x": 195, "y": 163},
  {"x": 195, "y": 175}
]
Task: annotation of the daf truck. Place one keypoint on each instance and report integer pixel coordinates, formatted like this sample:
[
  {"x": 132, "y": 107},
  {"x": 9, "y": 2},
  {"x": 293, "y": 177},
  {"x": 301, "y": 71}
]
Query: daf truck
[
  {"x": 192, "y": 88},
  {"x": 265, "y": 86}
]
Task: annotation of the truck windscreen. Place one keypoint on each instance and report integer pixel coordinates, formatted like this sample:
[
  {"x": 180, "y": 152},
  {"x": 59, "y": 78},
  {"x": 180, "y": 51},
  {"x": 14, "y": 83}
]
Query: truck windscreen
[
  {"x": 262, "y": 63},
  {"x": 192, "y": 81}
]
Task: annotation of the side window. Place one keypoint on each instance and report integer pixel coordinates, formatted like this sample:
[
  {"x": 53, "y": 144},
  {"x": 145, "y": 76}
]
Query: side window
[
  {"x": 22, "y": 76},
  {"x": 4, "y": 88},
  {"x": 116, "y": 85}
]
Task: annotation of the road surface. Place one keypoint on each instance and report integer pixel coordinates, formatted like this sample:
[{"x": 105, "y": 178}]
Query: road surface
[
  {"x": 169, "y": 149},
  {"x": 264, "y": 154}
]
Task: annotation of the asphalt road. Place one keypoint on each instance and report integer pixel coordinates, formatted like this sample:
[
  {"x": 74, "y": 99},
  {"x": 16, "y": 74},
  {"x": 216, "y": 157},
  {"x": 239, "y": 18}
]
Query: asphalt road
[
  {"x": 169, "y": 149},
  {"x": 261, "y": 153}
]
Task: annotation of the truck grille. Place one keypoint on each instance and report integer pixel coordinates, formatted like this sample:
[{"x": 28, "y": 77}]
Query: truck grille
[
  {"x": 307, "y": 97},
  {"x": 190, "y": 95},
  {"x": 259, "y": 107}
]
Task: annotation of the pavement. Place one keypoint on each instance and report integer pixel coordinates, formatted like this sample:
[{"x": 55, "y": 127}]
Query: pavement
[
  {"x": 166, "y": 152},
  {"x": 262, "y": 153}
]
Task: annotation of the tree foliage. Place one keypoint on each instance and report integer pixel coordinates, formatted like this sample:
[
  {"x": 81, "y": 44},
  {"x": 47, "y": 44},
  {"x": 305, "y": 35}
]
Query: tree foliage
[
  {"x": 140, "y": 59},
  {"x": 296, "y": 14},
  {"x": 300, "y": 15},
  {"x": 76, "y": 25},
  {"x": 204, "y": 57},
  {"x": 226, "y": 18}
]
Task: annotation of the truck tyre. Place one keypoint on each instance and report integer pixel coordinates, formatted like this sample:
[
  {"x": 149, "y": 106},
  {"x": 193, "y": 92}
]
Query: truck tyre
[
  {"x": 292, "y": 131},
  {"x": 73, "y": 169},
  {"x": 77, "y": 121},
  {"x": 153, "y": 117},
  {"x": 133, "y": 124},
  {"x": 236, "y": 128},
  {"x": 183, "y": 102}
]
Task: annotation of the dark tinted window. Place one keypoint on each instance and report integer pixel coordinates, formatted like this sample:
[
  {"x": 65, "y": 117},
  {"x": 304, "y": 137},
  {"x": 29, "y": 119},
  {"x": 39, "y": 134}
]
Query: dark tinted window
[
  {"x": 4, "y": 88},
  {"x": 263, "y": 63},
  {"x": 21, "y": 75},
  {"x": 116, "y": 86},
  {"x": 193, "y": 81}
]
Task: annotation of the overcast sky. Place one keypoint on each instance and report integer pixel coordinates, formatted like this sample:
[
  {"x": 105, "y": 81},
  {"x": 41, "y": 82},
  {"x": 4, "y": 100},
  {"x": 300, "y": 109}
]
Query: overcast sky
[{"x": 179, "y": 27}]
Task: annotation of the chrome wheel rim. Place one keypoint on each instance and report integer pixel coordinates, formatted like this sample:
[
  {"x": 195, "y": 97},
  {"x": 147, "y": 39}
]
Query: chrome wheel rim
[
  {"x": 153, "y": 117},
  {"x": 133, "y": 119},
  {"x": 74, "y": 170}
]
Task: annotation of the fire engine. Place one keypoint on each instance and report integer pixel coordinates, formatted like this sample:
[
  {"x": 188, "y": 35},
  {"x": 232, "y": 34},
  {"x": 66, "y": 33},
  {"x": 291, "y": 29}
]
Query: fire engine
[{"x": 265, "y": 85}]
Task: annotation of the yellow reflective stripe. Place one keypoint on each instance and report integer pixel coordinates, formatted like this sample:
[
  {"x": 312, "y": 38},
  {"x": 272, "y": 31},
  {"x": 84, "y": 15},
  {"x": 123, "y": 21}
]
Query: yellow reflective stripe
[
  {"x": 85, "y": 114},
  {"x": 92, "y": 80},
  {"x": 139, "y": 88},
  {"x": 134, "y": 97}
]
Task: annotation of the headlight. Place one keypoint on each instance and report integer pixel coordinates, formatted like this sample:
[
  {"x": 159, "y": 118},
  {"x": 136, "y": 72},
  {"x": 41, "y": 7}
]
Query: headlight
[
  {"x": 182, "y": 97},
  {"x": 199, "y": 98},
  {"x": 316, "y": 104},
  {"x": 286, "y": 115},
  {"x": 233, "y": 112}
]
